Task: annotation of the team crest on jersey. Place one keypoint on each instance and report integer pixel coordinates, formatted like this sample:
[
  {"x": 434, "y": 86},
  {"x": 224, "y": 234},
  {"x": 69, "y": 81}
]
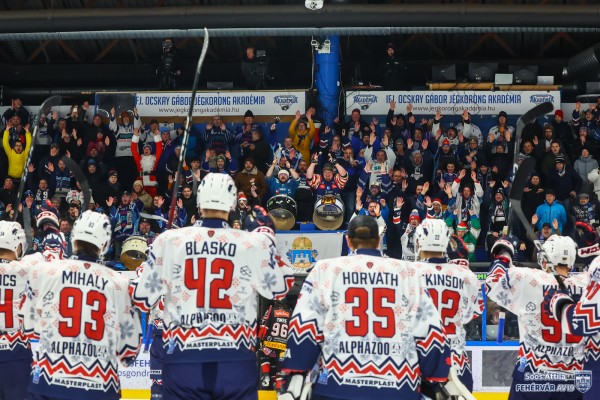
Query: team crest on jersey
[
  {"x": 211, "y": 233},
  {"x": 369, "y": 265},
  {"x": 87, "y": 265},
  {"x": 438, "y": 267},
  {"x": 583, "y": 380}
]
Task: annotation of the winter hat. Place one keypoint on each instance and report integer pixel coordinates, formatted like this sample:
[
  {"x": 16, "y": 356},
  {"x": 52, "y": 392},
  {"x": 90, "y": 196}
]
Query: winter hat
[
  {"x": 283, "y": 172},
  {"x": 147, "y": 145},
  {"x": 248, "y": 114},
  {"x": 414, "y": 214},
  {"x": 91, "y": 161},
  {"x": 390, "y": 46},
  {"x": 559, "y": 159},
  {"x": 222, "y": 157},
  {"x": 250, "y": 159},
  {"x": 462, "y": 226},
  {"x": 242, "y": 197},
  {"x": 113, "y": 172},
  {"x": 559, "y": 113},
  {"x": 501, "y": 191},
  {"x": 437, "y": 200},
  {"x": 328, "y": 166},
  {"x": 446, "y": 142},
  {"x": 452, "y": 128}
]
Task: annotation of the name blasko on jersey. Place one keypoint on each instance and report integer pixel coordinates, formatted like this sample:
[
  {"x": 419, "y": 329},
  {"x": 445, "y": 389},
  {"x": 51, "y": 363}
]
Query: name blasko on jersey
[
  {"x": 82, "y": 314},
  {"x": 209, "y": 277},
  {"x": 372, "y": 324}
]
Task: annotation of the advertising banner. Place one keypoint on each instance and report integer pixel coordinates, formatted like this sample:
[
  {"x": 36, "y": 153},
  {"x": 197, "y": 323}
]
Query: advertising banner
[
  {"x": 176, "y": 104},
  {"x": 478, "y": 102}
]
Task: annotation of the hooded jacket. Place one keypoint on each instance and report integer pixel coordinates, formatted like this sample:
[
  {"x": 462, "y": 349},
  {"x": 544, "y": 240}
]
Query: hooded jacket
[{"x": 584, "y": 165}]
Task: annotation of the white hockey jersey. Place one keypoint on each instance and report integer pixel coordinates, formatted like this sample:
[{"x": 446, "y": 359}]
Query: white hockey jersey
[
  {"x": 544, "y": 345},
  {"x": 14, "y": 344},
  {"x": 210, "y": 276},
  {"x": 456, "y": 292},
  {"x": 82, "y": 315},
  {"x": 373, "y": 325}
]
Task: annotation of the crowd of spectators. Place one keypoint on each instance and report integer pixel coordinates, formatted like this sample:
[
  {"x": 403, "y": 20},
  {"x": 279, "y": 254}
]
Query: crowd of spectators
[{"x": 400, "y": 172}]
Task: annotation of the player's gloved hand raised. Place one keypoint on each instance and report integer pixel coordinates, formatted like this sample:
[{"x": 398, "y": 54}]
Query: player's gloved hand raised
[
  {"x": 294, "y": 387},
  {"x": 554, "y": 302},
  {"x": 502, "y": 248}
]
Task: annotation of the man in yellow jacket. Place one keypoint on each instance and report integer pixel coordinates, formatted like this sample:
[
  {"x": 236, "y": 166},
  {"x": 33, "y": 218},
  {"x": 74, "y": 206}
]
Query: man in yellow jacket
[
  {"x": 17, "y": 155},
  {"x": 301, "y": 137}
]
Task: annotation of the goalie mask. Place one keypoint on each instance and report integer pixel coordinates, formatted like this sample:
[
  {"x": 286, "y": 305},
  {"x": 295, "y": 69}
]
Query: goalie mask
[
  {"x": 557, "y": 251},
  {"x": 47, "y": 214}
]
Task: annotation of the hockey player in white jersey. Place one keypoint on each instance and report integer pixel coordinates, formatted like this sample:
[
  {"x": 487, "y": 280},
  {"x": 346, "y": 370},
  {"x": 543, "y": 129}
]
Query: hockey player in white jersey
[
  {"x": 210, "y": 276},
  {"x": 582, "y": 318},
  {"x": 15, "y": 350},
  {"x": 370, "y": 324},
  {"x": 83, "y": 316},
  {"x": 453, "y": 287},
  {"x": 549, "y": 356}
]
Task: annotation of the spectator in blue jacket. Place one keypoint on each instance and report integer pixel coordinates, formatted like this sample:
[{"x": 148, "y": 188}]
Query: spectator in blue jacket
[
  {"x": 549, "y": 211},
  {"x": 282, "y": 184}
]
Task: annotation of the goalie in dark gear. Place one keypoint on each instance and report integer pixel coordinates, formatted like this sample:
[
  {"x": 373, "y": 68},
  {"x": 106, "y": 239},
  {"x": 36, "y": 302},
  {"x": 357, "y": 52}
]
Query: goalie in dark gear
[{"x": 272, "y": 334}]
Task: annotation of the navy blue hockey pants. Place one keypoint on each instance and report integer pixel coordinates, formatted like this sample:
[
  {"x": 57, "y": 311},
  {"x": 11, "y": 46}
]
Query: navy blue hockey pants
[
  {"x": 14, "y": 378},
  {"x": 235, "y": 380}
]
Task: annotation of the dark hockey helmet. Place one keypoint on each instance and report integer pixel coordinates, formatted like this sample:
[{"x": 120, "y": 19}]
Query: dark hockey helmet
[{"x": 457, "y": 248}]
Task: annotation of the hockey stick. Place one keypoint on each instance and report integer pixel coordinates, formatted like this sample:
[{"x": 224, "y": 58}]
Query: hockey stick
[
  {"x": 186, "y": 132},
  {"x": 81, "y": 179},
  {"x": 525, "y": 119},
  {"x": 44, "y": 109},
  {"x": 157, "y": 218},
  {"x": 516, "y": 194}
]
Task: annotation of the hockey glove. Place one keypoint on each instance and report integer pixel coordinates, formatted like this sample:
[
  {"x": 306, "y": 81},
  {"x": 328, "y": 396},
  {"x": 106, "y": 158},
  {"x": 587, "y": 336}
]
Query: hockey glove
[
  {"x": 502, "y": 248},
  {"x": 554, "y": 303},
  {"x": 295, "y": 387}
]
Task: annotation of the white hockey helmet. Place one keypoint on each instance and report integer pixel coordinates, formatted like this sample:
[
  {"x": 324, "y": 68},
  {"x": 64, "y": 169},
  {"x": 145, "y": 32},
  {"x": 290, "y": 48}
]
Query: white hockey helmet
[
  {"x": 11, "y": 236},
  {"x": 92, "y": 227},
  {"x": 217, "y": 192},
  {"x": 432, "y": 235},
  {"x": 558, "y": 251}
]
